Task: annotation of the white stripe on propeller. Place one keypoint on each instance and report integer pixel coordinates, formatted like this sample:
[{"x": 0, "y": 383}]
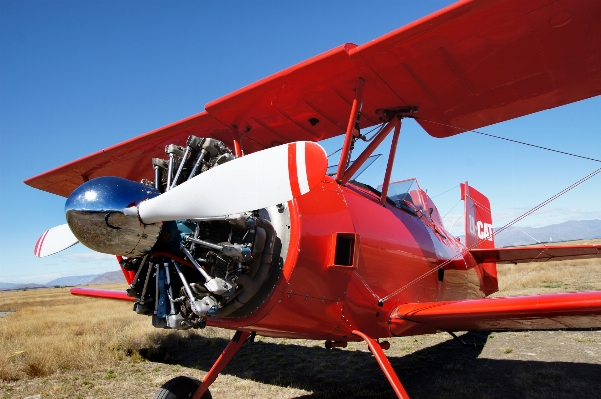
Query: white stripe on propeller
[
  {"x": 255, "y": 181},
  {"x": 54, "y": 240}
]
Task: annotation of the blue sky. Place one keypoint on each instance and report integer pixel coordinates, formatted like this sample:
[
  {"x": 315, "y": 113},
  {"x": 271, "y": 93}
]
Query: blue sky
[{"x": 76, "y": 77}]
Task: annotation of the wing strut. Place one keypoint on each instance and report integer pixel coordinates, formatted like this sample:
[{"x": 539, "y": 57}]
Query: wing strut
[
  {"x": 376, "y": 350},
  {"x": 353, "y": 123},
  {"x": 376, "y": 141},
  {"x": 395, "y": 140},
  {"x": 128, "y": 274},
  {"x": 392, "y": 119}
]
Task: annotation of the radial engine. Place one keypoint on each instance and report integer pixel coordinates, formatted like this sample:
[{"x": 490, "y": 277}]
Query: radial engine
[{"x": 185, "y": 270}]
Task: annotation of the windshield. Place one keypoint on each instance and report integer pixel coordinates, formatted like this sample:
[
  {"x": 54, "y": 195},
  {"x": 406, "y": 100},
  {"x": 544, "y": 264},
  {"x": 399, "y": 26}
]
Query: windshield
[
  {"x": 334, "y": 168},
  {"x": 405, "y": 192}
]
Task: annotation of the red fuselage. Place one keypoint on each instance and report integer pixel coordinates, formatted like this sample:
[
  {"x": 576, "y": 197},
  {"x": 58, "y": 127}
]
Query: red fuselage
[{"x": 316, "y": 298}]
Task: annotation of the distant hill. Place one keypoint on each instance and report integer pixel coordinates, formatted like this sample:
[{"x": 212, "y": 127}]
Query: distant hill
[
  {"x": 6, "y": 286},
  {"x": 104, "y": 278},
  {"x": 108, "y": 278},
  {"x": 572, "y": 230},
  {"x": 13, "y": 286},
  {"x": 72, "y": 280},
  {"x": 28, "y": 286}
]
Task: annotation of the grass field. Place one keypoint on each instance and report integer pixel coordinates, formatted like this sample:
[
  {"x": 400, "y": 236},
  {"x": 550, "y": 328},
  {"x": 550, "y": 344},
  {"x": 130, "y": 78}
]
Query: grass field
[{"x": 59, "y": 346}]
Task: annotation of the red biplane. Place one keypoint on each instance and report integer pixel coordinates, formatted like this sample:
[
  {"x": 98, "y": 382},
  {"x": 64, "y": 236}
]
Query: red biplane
[{"x": 304, "y": 251}]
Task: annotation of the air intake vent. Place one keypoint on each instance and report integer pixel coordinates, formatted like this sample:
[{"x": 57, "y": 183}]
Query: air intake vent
[{"x": 343, "y": 249}]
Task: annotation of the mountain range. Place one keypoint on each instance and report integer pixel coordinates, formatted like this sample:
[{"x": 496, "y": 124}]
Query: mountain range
[
  {"x": 566, "y": 231},
  {"x": 90, "y": 279}
]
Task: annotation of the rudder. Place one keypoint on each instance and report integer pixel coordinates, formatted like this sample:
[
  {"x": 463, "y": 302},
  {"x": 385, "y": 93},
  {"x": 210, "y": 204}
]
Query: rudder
[{"x": 479, "y": 232}]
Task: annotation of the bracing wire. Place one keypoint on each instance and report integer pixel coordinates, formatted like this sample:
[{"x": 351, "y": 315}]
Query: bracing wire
[
  {"x": 453, "y": 224},
  {"x": 445, "y": 215},
  {"x": 524, "y": 274},
  {"x": 444, "y": 192},
  {"x": 337, "y": 151},
  {"x": 506, "y": 139},
  {"x": 367, "y": 140},
  {"x": 379, "y": 127}
]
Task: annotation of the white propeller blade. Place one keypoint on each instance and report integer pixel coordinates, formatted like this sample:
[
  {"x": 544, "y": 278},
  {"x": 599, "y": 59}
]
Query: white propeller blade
[
  {"x": 54, "y": 240},
  {"x": 255, "y": 181}
]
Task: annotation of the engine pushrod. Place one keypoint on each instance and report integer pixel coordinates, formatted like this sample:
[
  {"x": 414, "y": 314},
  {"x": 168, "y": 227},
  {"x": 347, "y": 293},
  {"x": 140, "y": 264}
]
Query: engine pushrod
[{"x": 194, "y": 262}]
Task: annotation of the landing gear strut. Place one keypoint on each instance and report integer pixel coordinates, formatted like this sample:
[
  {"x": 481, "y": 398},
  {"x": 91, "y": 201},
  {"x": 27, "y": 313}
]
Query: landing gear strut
[
  {"x": 191, "y": 388},
  {"x": 376, "y": 350}
]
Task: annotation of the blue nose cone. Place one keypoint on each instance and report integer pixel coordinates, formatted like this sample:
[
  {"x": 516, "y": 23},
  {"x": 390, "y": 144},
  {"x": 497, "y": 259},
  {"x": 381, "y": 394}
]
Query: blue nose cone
[
  {"x": 109, "y": 193},
  {"x": 95, "y": 215}
]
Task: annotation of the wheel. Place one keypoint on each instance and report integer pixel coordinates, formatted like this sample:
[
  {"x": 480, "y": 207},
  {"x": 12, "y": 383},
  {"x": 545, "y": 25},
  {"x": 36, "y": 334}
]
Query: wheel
[{"x": 181, "y": 387}]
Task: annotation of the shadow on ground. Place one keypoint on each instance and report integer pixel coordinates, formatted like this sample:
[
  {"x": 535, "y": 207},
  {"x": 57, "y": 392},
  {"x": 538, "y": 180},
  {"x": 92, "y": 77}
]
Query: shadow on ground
[{"x": 444, "y": 370}]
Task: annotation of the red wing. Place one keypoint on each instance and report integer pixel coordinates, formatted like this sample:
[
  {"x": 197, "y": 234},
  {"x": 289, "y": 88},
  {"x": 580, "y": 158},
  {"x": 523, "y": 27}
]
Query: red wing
[
  {"x": 130, "y": 159},
  {"x": 469, "y": 65},
  {"x": 538, "y": 312},
  {"x": 96, "y": 293},
  {"x": 477, "y": 63},
  {"x": 539, "y": 253}
]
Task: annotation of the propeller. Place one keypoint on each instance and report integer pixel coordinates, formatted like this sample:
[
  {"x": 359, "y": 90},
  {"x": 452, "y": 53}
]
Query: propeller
[
  {"x": 255, "y": 181},
  {"x": 54, "y": 240},
  {"x": 99, "y": 213}
]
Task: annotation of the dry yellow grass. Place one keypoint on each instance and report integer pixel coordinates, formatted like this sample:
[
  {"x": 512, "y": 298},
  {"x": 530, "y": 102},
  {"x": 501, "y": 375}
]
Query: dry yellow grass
[
  {"x": 63, "y": 346},
  {"x": 52, "y": 331},
  {"x": 552, "y": 276},
  {"x": 549, "y": 277},
  {"x": 66, "y": 344}
]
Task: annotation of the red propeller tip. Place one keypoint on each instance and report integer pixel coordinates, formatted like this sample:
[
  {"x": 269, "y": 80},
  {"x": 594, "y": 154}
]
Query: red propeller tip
[{"x": 307, "y": 165}]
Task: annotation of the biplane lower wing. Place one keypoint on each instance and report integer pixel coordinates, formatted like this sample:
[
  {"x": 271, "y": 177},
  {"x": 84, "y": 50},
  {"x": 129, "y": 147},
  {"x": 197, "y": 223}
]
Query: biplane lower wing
[
  {"x": 538, "y": 312},
  {"x": 97, "y": 293},
  {"x": 538, "y": 253}
]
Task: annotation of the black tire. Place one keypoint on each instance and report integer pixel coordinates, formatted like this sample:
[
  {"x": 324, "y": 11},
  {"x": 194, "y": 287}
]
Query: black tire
[{"x": 181, "y": 387}]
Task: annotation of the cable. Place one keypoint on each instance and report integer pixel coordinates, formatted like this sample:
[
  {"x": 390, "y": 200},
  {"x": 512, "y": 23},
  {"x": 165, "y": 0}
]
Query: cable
[
  {"x": 444, "y": 192},
  {"x": 506, "y": 139},
  {"x": 367, "y": 140},
  {"x": 338, "y": 150},
  {"x": 380, "y": 126},
  {"x": 526, "y": 273},
  {"x": 445, "y": 215},
  {"x": 246, "y": 131},
  {"x": 456, "y": 219},
  {"x": 527, "y": 234}
]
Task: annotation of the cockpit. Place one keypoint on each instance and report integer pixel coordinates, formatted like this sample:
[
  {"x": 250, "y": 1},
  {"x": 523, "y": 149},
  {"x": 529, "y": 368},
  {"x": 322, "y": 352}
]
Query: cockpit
[{"x": 408, "y": 196}]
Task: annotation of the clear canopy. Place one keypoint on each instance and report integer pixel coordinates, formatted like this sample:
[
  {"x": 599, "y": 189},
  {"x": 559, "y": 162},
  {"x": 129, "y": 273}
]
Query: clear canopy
[{"x": 406, "y": 192}]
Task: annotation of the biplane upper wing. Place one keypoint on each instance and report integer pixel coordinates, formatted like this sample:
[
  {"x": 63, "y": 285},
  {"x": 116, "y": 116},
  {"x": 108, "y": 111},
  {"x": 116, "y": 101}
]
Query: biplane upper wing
[
  {"x": 538, "y": 312},
  {"x": 471, "y": 64},
  {"x": 536, "y": 253},
  {"x": 129, "y": 159}
]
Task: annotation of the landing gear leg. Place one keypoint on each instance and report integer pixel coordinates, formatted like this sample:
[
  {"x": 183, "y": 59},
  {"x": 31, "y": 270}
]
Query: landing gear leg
[
  {"x": 462, "y": 342},
  {"x": 230, "y": 350},
  {"x": 385, "y": 365}
]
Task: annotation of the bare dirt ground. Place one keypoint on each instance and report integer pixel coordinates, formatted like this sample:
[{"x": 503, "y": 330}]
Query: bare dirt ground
[{"x": 59, "y": 346}]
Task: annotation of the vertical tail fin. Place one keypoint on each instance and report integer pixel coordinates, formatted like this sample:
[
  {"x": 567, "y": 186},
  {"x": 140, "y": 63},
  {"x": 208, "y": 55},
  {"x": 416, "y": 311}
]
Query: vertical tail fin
[{"x": 479, "y": 232}]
